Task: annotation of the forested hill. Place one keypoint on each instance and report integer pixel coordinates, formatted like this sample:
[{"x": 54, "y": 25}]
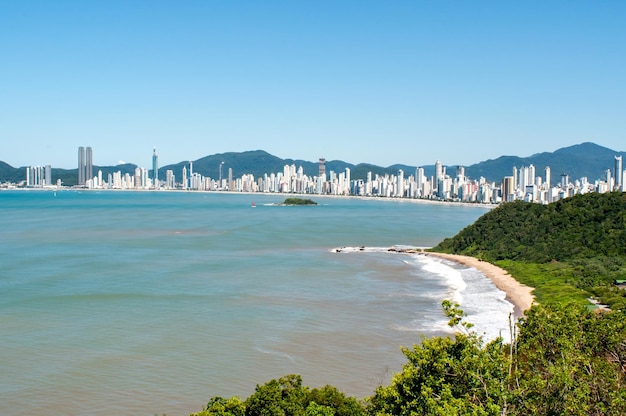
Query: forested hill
[
  {"x": 575, "y": 247},
  {"x": 582, "y": 226}
]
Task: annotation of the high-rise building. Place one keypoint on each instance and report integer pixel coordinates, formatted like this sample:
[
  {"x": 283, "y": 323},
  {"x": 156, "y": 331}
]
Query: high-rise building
[
  {"x": 618, "y": 172},
  {"x": 322, "y": 169},
  {"x": 438, "y": 172},
  {"x": 89, "y": 164},
  {"x": 169, "y": 179},
  {"x": 548, "y": 177},
  {"x": 419, "y": 177},
  {"x": 48, "y": 175},
  {"x": 155, "y": 169},
  {"x": 400, "y": 183},
  {"x": 508, "y": 188},
  {"x": 81, "y": 165}
]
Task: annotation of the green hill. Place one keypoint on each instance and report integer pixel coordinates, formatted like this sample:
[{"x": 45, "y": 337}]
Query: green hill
[
  {"x": 582, "y": 160},
  {"x": 259, "y": 162},
  {"x": 567, "y": 250}
]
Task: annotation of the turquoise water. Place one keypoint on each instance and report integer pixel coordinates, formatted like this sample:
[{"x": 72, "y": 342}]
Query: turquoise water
[{"x": 152, "y": 302}]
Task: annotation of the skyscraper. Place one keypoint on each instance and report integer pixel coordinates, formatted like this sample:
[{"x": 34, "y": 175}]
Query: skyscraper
[
  {"x": 81, "y": 165},
  {"x": 322, "y": 169},
  {"x": 155, "y": 169},
  {"x": 89, "y": 165},
  {"x": 438, "y": 172},
  {"x": 48, "y": 175},
  {"x": 508, "y": 188},
  {"x": 618, "y": 172}
]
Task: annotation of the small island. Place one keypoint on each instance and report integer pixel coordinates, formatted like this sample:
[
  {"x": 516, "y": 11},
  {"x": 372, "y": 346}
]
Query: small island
[{"x": 299, "y": 201}]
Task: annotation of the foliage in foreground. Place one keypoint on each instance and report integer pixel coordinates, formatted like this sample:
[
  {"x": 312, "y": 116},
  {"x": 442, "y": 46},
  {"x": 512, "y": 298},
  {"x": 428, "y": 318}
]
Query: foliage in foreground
[
  {"x": 286, "y": 396},
  {"x": 564, "y": 360}
]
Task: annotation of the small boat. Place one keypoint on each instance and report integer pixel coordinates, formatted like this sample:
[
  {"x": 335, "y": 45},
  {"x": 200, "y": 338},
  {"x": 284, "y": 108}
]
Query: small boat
[{"x": 253, "y": 205}]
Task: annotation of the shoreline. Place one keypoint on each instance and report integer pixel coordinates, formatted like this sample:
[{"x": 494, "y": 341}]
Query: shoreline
[
  {"x": 518, "y": 294},
  {"x": 281, "y": 194}
]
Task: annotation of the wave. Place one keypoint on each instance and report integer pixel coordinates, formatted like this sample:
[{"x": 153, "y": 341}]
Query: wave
[
  {"x": 452, "y": 277},
  {"x": 274, "y": 353},
  {"x": 484, "y": 304}
]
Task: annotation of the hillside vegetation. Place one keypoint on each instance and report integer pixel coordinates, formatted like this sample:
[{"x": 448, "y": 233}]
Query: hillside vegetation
[{"x": 567, "y": 251}]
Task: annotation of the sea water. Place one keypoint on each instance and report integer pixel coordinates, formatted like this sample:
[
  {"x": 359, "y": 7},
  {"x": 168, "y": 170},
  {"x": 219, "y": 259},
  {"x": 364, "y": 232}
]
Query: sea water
[{"x": 152, "y": 302}]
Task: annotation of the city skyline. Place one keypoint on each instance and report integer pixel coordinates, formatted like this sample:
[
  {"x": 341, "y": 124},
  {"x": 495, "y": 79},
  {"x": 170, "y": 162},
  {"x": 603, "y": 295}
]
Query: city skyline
[
  {"x": 406, "y": 82},
  {"x": 250, "y": 164},
  {"x": 524, "y": 183}
]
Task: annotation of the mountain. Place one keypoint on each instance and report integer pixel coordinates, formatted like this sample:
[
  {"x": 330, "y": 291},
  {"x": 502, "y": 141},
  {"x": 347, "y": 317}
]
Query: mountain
[
  {"x": 68, "y": 177},
  {"x": 259, "y": 162},
  {"x": 585, "y": 159}
]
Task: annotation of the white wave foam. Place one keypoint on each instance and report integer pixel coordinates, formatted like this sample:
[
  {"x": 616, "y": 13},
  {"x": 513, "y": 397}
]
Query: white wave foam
[
  {"x": 452, "y": 276},
  {"x": 485, "y": 305},
  {"x": 364, "y": 249},
  {"x": 425, "y": 324}
]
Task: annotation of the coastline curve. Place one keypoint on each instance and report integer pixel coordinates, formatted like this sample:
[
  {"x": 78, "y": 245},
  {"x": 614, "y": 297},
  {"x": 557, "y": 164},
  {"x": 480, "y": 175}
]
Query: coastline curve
[{"x": 518, "y": 294}]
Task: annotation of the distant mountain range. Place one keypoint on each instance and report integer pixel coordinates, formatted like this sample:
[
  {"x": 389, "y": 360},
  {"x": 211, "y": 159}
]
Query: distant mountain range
[{"x": 585, "y": 159}]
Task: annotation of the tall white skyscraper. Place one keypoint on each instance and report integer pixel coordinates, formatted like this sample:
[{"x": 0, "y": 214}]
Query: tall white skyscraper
[
  {"x": 400, "y": 183},
  {"x": 438, "y": 172}
]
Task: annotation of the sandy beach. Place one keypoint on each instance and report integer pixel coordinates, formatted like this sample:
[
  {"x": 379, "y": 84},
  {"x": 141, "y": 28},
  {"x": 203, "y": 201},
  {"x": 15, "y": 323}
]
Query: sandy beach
[{"x": 518, "y": 294}]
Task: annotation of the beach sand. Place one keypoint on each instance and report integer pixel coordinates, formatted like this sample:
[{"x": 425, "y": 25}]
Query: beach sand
[{"x": 518, "y": 294}]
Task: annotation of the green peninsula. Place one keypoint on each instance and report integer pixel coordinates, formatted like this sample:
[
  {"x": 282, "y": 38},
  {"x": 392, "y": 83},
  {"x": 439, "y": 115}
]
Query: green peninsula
[{"x": 568, "y": 251}]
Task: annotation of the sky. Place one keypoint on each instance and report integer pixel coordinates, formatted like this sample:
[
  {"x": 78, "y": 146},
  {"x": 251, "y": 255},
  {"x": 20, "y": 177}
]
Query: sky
[{"x": 379, "y": 82}]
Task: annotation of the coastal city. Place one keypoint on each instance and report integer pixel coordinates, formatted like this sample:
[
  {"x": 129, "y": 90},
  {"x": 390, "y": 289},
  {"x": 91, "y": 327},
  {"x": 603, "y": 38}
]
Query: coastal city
[{"x": 527, "y": 183}]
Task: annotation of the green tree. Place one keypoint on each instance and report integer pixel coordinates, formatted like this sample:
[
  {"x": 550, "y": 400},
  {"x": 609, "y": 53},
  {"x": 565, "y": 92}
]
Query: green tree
[
  {"x": 314, "y": 409},
  {"x": 341, "y": 404},
  {"x": 219, "y": 406},
  {"x": 447, "y": 376},
  {"x": 570, "y": 361},
  {"x": 283, "y": 397}
]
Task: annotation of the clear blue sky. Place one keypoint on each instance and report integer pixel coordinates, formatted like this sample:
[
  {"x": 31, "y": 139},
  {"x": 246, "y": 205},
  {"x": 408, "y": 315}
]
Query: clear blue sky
[{"x": 381, "y": 82}]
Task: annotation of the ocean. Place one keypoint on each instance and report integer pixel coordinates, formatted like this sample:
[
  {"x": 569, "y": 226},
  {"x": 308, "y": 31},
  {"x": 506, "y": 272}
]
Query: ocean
[{"x": 150, "y": 303}]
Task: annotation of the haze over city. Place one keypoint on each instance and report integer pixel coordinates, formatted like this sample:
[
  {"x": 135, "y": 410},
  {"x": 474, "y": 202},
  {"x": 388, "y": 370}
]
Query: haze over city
[{"x": 362, "y": 81}]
